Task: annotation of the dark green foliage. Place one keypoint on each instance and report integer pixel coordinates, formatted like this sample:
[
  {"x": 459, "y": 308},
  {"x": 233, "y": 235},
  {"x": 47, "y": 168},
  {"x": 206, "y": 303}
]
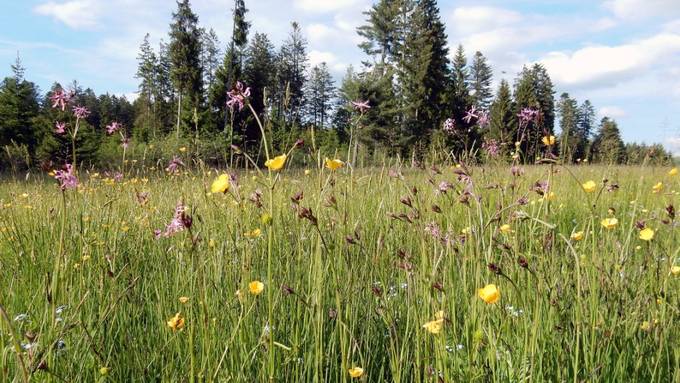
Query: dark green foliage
[
  {"x": 185, "y": 56},
  {"x": 320, "y": 93},
  {"x": 503, "y": 119},
  {"x": 480, "y": 81},
  {"x": 607, "y": 145}
]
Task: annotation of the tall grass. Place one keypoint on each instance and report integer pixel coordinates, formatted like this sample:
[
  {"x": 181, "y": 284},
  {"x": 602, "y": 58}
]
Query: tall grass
[{"x": 352, "y": 271}]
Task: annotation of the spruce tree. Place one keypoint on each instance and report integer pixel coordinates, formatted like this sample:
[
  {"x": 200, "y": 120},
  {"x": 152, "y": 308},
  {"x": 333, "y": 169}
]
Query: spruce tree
[
  {"x": 291, "y": 77},
  {"x": 18, "y": 108},
  {"x": 380, "y": 33},
  {"x": 607, "y": 145},
  {"x": 502, "y": 118},
  {"x": 185, "y": 56},
  {"x": 259, "y": 75},
  {"x": 585, "y": 124},
  {"x": 480, "y": 82},
  {"x": 570, "y": 139},
  {"x": 147, "y": 64},
  {"x": 320, "y": 92}
]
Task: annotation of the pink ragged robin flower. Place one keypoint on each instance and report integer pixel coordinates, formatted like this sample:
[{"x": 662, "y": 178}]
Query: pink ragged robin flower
[
  {"x": 66, "y": 178},
  {"x": 361, "y": 106}
]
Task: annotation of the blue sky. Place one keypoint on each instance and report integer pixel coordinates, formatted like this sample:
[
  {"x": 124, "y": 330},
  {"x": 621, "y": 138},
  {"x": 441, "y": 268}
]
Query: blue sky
[{"x": 623, "y": 55}]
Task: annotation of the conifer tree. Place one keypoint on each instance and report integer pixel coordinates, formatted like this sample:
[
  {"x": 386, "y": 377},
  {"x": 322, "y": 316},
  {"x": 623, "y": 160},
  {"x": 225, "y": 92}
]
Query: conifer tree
[
  {"x": 502, "y": 118},
  {"x": 480, "y": 81},
  {"x": 607, "y": 145},
  {"x": 320, "y": 92},
  {"x": 570, "y": 139},
  {"x": 185, "y": 56}
]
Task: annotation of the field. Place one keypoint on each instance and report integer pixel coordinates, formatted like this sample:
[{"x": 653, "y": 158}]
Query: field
[{"x": 367, "y": 275}]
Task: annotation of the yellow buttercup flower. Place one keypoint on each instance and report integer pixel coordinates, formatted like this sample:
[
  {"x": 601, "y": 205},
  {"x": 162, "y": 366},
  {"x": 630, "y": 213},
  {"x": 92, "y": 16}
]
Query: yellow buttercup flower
[
  {"x": 334, "y": 164},
  {"x": 675, "y": 270},
  {"x": 489, "y": 293},
  {"x": 645, "y": 326},
  {"x": 255, "y": 287},
  {"x": 646, "y": 234},
  {"x": 548, "y": 140},
  {"x": 255, "y": 233},
  {"x": 673, "y": 172},
  {"x": 589, "y": 186},
  {"x": 183, "y": 300},
  {"x": 658, "y": 188},
  {"x": 435, "y": 326},
  {"x": 220, "y": 184},
  {"x": 183, "y": 149},
  {"x": 609, "y": 223},
  {"x": 356, "y": 372},
  {"x": 104, "y": 371},
  {"x": 577, "y": 236},
  {"x": 505, "y": 228},
  {"x": 276, "y": 163},
  {"x": 176, "y": 322},
  {"x": 308, "y": 172}
]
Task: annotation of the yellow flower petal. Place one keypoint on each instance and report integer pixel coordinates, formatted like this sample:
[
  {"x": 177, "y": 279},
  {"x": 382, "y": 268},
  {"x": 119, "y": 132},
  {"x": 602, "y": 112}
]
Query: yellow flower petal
[
  {"x": 646, "y": 234},
  {"x": 220, "y": 184},
  {"x": 334, "y": 164},
  {"x": 489, "y": 293},
  {"x": 255, "y": 287},
  {"x": 609, "y": 223},
  {"x": 276, "y": 163},
  {"x": 356, "y": 372},
  {"x": 589, "y": 186}
]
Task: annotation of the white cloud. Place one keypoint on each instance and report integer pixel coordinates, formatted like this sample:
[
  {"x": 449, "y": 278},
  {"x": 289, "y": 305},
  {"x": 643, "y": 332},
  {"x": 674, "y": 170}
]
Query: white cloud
[
  {"x": 475, "y": 19},
  {"x": 611, "y": 112},
  {"x": 603, "y": 65},
  {"x": 322, "y": 6},
  {"x": 673, "y": 144},
  {"x": 75, "y": 14},
  {"x": 640, "y": 9},
  {"x": 319, "y": 33}
]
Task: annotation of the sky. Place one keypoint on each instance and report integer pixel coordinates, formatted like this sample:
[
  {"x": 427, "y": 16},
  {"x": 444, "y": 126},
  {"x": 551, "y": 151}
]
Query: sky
[{"x": 623, "y": 55}]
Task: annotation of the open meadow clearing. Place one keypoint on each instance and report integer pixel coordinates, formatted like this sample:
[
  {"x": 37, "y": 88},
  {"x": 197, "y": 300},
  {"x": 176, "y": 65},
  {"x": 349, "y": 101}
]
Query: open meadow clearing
[{"x": 381, "y": 274}]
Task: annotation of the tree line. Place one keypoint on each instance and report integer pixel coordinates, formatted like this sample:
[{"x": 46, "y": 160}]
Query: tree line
[{"x": 422, "y": 103}]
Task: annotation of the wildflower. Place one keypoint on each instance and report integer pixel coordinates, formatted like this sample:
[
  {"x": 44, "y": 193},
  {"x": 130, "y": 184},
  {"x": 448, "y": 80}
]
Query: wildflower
[
  {"x": 491, "y": 147},
  {"x": 183, "y": 149},
  {"x": 266, "y": 219},
  {"x": 645, "y": 326},
  {"x": 183, "y": 300},
  {"x": 470, "y": 114},
  {"x": 276, "y": 163},
  {"x": 550, "y": 196},
  {"x": 104, "y": 371},
  {"x": 21, "y": 317},
  {"x": 356, "y": 372},
  {"x": 646, "y": 234},
  {"x": 450, "y": 125},
  {"x": 66, "y": 178},
  {"x": 489, "y": 293},
  {"x": 125, "y": 142},
  {"x": 174, "y": 165},
  {"x": 609, "y": 223},
  {"x": 361, "y": 106},
  {"x": 60, "y": 128},
  {"x": 589, "y": 186},
  {"x": 658, "y": 188},
  {"x": 435, "y": 326},
  {"x": 238, "y": 96},
  {"x": 220, "y": 184},
  {"x": 255, "y": 287},
  {"x": 505, "y": 228},
  {"x": 176, "y": 323},
  {"x": 675, "y": 270},
  {"x": 179, "y": 222},
  {"x": 483, "y": 119},
  {"x": 308, "y": 172},
  {"x": 673, "y": 172},
  {"x": 548, "y": 140},
  {"x": 113, "y": 128},
  {"x": 60, "y": 98},
  {"x": 527, "y": 115},
  {"x": 334, "y": 164},
  {"x": 255, "y": 233},
  {"x": 577, "y": 236},
  {"x": 81, "y": 112}
]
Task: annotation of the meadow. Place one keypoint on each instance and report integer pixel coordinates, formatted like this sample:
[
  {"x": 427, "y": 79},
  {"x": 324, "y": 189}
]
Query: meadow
[{"x": 329, "y": 274}]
